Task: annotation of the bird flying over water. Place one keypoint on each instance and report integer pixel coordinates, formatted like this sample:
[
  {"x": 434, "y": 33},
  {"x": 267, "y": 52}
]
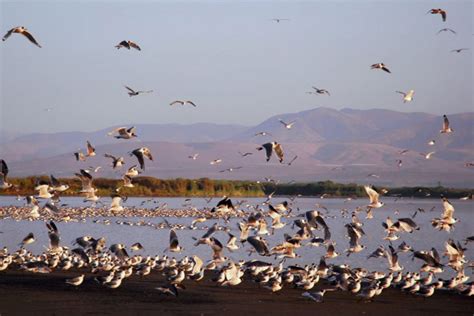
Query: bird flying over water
[
  {"x": 23, "y": 31},
  {"x": 373, "y": 197}
]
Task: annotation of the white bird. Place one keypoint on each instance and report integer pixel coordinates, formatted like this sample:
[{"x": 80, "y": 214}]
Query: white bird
[
  {"x": 407, "y": 96},
  {"x": 193, "y": 156},
  {"x": 428, "y": 155},
  {"x": 287, "y": 125},
  {"x": 181, "y": 102},
  {"x": 374, "y": 197},
  {"x": 124, "y": 132},
  {"x": 76, "y": 281},
  {"x": 215, "y": 161},
  {"x": 23, "y": 31}
]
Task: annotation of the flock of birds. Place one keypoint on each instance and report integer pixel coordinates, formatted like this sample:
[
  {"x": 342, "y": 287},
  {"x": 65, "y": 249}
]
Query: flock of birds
[{"x": 112, "y": 265}]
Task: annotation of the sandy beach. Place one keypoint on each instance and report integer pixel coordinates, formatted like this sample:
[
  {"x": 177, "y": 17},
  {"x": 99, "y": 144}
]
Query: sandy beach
[{"x": 24, "y": 293}]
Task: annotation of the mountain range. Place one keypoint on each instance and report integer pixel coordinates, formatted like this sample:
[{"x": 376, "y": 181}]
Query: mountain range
[{"x": 345, "y": 145}]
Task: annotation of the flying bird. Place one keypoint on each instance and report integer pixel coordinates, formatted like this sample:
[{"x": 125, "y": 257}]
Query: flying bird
[
  {"x": 183, "y": 102},
  {"x": 447, "y": 30},
  {"x": 140, "y": 153},
  {"x": 23, "y": 31},
  {"x": 428, "y": 155},
  {"x": 90, "y": 150},
  {"x": 132, "y": 92},
  {"x": 270, "y": 147},
  {"x": 373, "y": 197},
  {"x": 262, "y": 134},
  {"x": 278, "y": 20},
  {"x": 458, "y": 50},
  {"x": 127, "y": 45},
  {"x": 215, "y": 162},
  {"x": 124, "y": 132},
  {"x": 287, "y": 125},
  {"x": 407, "y": 96},
  {"x": 117, "y": 162},
  {"x": 446, "y": 128},
  {"x": 438, "y": 11},
  {"x": 3, "y": 176},
  {"x": 193, "y": 156},
  {"x": 319, "y": 91},
  {"x": 380, "y": 66}
]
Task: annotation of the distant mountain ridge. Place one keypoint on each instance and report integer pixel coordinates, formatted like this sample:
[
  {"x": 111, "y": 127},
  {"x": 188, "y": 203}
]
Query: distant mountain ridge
[{"x": 359, "y": 142}]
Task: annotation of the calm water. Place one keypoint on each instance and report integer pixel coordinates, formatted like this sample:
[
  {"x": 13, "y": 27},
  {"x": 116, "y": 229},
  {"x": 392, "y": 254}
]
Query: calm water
[{"x": 156, "y": 240}]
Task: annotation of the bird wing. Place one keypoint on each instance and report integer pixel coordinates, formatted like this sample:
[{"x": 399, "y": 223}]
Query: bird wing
[
  {"x": 373, "y": 195},
  {"x": 139, "y": 156},
  {"x": 31, "y": 38},
  {"x": 8, "y": 34},
  {"x": 177, "y": 102},
  {"x": 282, "y": 122},
  {"x": 445, "y": 123},
  {"x": 4, "y": 169},
  {"x": 174, "y": 243},
  {"x": 90, "y": 149},
  {"x": 134, "y": 45},
  {"x": 448, "y": 209},
  {"x": 268, "y": 149},
  {"x": 130, "y": 89},
  {"x": 191, "y": 102},
  {"x": 443, "y": 15},
  {"x": 279, "y": 152}
]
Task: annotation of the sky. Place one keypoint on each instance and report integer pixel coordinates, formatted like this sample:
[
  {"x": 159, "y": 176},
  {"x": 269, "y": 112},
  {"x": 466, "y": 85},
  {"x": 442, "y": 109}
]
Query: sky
[{"x": 230, "y": 58}]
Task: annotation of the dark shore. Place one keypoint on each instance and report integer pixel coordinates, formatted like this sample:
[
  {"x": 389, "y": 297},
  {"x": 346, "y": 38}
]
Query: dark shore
[{"x": 23, "y": 293}]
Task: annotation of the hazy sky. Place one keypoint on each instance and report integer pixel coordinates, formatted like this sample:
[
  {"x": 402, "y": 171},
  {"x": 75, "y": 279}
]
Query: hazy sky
[{"x": 230, "y": 58}]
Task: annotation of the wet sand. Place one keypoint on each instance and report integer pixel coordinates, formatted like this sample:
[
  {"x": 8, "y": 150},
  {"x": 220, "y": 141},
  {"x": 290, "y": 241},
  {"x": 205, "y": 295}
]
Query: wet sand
[{"x": 24, "y": 293}]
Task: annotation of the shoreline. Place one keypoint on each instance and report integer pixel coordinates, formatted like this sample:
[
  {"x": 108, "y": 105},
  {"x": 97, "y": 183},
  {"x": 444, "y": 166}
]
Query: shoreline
[{"x": 47, "y": 294}]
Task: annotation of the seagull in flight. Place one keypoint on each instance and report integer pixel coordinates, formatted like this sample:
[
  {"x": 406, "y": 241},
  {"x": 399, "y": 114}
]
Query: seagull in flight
[
  {"x": 380, "y": 66},
  {"x": 193, "y": 157},
  {"x": 245, "y": 154},
  {"x": 428, "y": 155},
  {"x": 446, "y": 129},
  {"x": 278, "y": 20},
  {"x": 319, "y": 91},
  {"x": 447, "y": 30},
  {"x": 459, "y": 50},
  {"x": 3, "y": 176},
  {"x": 124, "y": 132},
  {"x": 438, "y": 11},
  {"x": 127, "y": 45},
  {"x": 407, "y": 96},
  {"x": 132, "y": 92},
  {"x": 140, "y": 153},
  {"x": 373, "y": 197},
  {"x": 181, "y": 102},
  {"x": 262, "y": 134},
  {"x": 215, "y": 161},
  {"x": 23, "y": 31},
  {"x": 270, "y": 147},
  {"x": 231, "y": 169},
  {"x": 287, "y": 125}
]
